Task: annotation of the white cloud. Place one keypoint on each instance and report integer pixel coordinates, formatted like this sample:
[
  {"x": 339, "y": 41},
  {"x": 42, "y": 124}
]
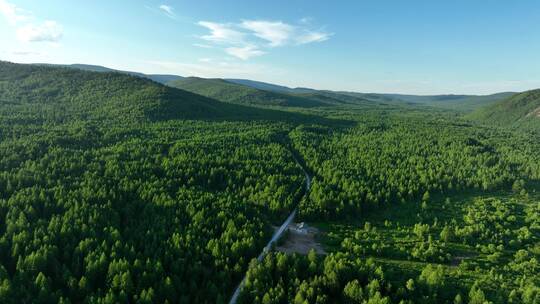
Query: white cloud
[
  {"x": 222, "y": 33},
  {"x": 275, "y": 32},
  {"x": 12, "y": 13},
  {"x": 26, "y": 28},
  {"x": 49, "y": 31},
  {"x": 245, "y": 52},
  {"x": 252, "y": 38},
  {"x": 168, "y": 11},
  {"x": 309, "y": 37}
]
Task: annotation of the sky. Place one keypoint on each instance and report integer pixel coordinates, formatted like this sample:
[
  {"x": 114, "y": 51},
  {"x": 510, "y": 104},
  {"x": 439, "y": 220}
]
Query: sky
[{"x": 385, "y": 46}]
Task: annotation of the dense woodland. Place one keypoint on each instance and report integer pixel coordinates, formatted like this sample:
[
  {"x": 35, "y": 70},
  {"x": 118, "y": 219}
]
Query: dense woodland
[
  {"x": 117, "y": 189},
  {"x": 398, "y": 159},
  {"x": 235, "y": 93},
  {"x": 477, "y": 249}
]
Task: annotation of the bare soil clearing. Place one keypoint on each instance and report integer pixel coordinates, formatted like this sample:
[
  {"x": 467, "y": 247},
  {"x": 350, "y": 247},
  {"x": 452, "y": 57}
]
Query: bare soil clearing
[
  {"x": 534, "y": 113},
  {"x": 301, "y": 241}
]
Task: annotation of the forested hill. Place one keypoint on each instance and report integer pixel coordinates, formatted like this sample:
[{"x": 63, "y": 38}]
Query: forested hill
[
  {"x": 250, "y": 92},
  {"x": 161, "y": 78},
  {"x": 46, "y": 94},
  {"x": 520, "y": 109},
  {"x": 463, "y": 103},
  {"x": 270, "y": 86},
  {"x": 117, "y": 189},
  {"x": 240, "y": 94}
]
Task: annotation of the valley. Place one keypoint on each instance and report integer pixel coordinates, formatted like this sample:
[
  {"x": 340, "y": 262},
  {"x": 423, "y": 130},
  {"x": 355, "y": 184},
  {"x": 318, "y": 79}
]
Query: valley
[
  {"x": 115, "y": 188},
  {"x": 269, "y": 152}
]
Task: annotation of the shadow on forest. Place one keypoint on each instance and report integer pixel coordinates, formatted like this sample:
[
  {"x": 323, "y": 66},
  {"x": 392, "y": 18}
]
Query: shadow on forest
[{"x": 209, "y": 109}]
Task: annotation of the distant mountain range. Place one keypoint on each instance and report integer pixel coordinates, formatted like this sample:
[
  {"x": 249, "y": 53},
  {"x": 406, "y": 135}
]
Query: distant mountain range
[
  {"x": 72, "y": 94},
  {"x": 226, "y": 91},
  {"x": 34, "y": 94},
  {"x": 464, "y": 103},
  {"x": 269, "y": 86},
  {"x": 161, "y": 78},
  {"x": 245, "y": 91},
  {"x": 233, "y": 92},
  {"x": 134, "y": 96},
  {"x": 457, "y": 102}
]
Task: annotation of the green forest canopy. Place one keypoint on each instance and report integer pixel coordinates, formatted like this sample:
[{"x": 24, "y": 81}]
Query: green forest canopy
[{"x": 115, "y": 188}]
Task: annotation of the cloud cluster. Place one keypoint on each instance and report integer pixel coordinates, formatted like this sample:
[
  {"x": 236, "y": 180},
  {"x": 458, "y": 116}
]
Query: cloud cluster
[
  {"x": 245, "y": 52},
  {"x": 27, "y": 29},
  {"x": 275, "y": 33},
  {"x": 168, "y": 11},
  {"x": 47, "y": 31},
  {"x": 12, "y": 13},
  {"x": 252, "y": 38},
  {"x": 222, "y": 33}
]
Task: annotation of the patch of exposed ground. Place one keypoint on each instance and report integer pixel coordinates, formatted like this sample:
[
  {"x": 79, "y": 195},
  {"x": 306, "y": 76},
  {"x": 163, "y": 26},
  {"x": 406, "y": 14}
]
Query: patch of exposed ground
[
  {"x": 534, "y": 113},
  {"x": 300, "y": 240}
]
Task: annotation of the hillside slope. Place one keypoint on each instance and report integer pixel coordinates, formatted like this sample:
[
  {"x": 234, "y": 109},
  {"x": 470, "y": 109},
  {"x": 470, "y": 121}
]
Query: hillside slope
[
  {"x": 240, "y": 94},
  {"x": 40, "y": 95},
  {"x": 269, "y": 86},
  {"x": 456, "y": 102},
  {"x": 47, "y": 94},
  {"x": 522, "y": 108},
  {"x": 464, "y": 103},
  {"x": 251, "y": 92}
]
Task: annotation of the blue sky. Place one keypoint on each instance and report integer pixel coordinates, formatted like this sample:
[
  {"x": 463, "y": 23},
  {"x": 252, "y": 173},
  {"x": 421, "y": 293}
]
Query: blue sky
[{"x": 420, "y": 47}]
